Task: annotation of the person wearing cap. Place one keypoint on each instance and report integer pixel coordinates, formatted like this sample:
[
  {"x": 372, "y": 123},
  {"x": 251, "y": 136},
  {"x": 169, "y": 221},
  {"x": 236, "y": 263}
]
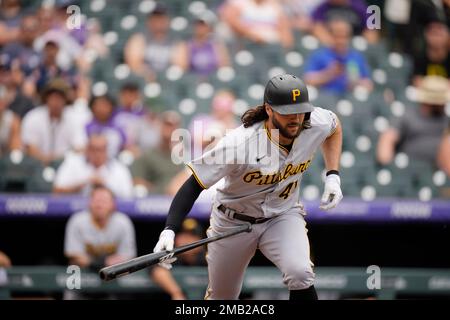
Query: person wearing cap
[
  {"x": 202, "y": 54},
  {"x": 418, "y": 132},
  {"x": 191, "y": 231},
  {"x": 49, "y": 131},
  {"x": 150, "y": 52},
  {"x": 262, "y": 163}
]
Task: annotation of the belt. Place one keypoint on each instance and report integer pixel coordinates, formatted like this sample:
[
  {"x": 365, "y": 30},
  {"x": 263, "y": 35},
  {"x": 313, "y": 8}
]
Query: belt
[{"x": 234, "y": 215}]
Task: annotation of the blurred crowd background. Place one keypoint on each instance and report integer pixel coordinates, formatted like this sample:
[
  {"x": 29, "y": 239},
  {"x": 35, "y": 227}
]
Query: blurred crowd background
[
  {"x": 101, "y": 93},
  {"x": 90, "y": 96}
]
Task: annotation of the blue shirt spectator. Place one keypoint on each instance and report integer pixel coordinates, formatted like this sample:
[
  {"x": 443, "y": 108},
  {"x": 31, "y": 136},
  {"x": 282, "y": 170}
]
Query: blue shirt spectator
[
  {"x": 353, "y": 64},
  {"x": 338, "y": 68}
]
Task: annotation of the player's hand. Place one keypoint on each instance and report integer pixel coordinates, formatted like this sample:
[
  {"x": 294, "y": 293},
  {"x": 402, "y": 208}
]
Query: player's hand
[
  {"x": 166, "y": 242},
  {"x": 332, "y": 194}
]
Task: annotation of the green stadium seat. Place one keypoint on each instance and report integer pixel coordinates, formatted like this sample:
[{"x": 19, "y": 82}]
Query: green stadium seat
[{"x": 16, "y": 171}]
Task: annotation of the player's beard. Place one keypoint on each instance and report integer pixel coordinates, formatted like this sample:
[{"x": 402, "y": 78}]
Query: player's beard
[{"x": 284, "y": 130}]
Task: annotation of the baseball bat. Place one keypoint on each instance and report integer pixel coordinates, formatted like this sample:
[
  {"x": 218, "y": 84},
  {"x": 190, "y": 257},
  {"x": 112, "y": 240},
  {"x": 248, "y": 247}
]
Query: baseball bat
[{"x": 136, "y": 264}]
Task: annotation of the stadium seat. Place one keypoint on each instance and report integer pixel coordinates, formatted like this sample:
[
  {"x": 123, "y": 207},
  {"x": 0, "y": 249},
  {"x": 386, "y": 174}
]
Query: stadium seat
[{"x": 16, "y": 171}]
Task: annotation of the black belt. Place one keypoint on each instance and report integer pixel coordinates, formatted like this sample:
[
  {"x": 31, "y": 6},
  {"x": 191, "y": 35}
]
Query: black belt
[{"x": 234, "y": 215}]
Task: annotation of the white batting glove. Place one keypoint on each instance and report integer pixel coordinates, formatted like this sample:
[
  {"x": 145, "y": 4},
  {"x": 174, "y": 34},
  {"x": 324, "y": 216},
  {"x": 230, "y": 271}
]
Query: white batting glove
[
  {"x": 166, "y": 242},
  {"x": 332, "y": 193}
]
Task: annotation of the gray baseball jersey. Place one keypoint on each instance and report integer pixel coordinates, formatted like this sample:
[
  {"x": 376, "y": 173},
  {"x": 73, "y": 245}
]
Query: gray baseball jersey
[
  {"x": 261, "y": 179},
  {"x": 84, "y": 237}
]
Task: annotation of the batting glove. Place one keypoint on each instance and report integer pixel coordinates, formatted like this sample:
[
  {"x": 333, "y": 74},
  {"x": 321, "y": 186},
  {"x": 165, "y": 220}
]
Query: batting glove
[
  {"x": 332, "y": 193},
  {"x": 166, "y": 242}
]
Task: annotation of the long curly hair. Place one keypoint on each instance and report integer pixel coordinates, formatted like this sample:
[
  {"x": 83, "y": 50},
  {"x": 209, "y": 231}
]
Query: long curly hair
[
  {"x": 254, "y": 115},
  {"x": 258, "y": 114}
]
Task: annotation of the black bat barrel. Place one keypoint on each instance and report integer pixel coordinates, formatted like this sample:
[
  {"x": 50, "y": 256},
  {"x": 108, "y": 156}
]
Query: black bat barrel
[
  {"x": 131, "y": 266},
  {"x": 136, "y": 264}
]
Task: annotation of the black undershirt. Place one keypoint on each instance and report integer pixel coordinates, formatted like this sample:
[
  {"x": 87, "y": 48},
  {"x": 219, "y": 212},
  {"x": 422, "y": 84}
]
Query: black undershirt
[{"x": 288, "y": 146}]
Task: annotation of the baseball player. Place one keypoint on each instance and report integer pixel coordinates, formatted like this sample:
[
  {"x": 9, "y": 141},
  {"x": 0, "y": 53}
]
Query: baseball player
[{"x": 263, "y": 190}]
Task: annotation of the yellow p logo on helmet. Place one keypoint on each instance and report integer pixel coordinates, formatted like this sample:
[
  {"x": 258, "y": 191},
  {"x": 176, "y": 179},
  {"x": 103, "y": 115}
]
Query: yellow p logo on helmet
[{"x": 295, "y": 94}]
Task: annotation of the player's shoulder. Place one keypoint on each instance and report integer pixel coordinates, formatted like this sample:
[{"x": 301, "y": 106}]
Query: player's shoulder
[
  {"x": 80, "y": 218},
  {"x": 241, "y": 134},
  {"x": 321, "y": 116},
  {"x": 120, "y": 219}
]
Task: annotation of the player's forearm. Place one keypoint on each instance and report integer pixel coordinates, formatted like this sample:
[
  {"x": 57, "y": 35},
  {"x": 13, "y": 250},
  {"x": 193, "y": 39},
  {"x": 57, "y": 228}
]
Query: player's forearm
[
  {"x": 386, "y": 146},
  {"x": 80, "y": 260},
  {"x": 318, "y": 78},
  {"x": 71, "y": 189},
  {"x": 444, "y": 154},
  {"x": 165, "y": 280},
  {"x": 182, "y": 203},
  {"x": 332, "y": 149}
]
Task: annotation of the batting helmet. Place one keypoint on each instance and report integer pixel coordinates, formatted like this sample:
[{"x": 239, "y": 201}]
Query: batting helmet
[{"x": 287, "y": 94}]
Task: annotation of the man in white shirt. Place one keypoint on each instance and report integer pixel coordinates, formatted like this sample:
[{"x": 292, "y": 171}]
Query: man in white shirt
[
  {"x": 79, "y": 172},
  {"x": 49, "y": 131}
]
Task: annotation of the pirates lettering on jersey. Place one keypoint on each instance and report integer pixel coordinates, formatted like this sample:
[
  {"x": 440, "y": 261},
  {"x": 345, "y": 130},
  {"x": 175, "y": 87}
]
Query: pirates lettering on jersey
[{"x": 265, "y": 179}]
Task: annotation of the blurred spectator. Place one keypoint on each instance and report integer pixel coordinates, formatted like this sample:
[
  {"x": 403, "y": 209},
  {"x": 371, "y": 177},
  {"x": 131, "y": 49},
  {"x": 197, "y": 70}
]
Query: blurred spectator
[
  {"x": 204, "y": 127},
  {"x": 49, "y": 131},
  {"x": 99, "y": 236},
  {"x": 300, "y": 13},
  {"x": 164, "y": 279},
  {"x": 78, "y": 172},
  {"x": 10, "y": 15},
  {"x": 409, "y": 18},
  {"x": 47, "y": 70},
  {"x": 260, "y": 21},
  {"x": 151, "y": 52},
  {"x": 435, "y": 59},
  {"x": 102, "y": 236},
  {"x": 206, "y": 130},
  {"x": 9, "y": 125},
  {"x": 338, "y": 68},
  {"x": 20, "y": 104},
  {"x": 95, "y": 39},
  {"x": 21, "y": 52},
  {"x": 102, "y": 108},
  {"x": 202, "y": 54},
  {"x": 53, "y": 29},
  {"x": 444, "y": 152},
  {"x": 352, "y": 11},
  {"x": 419, "y": 131},
  {"x": 133, "y": 118},
  {"x": 5, "y": 262},
  {"x": 191, "y": 231},
  {"x": 154, "y": 169}
]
